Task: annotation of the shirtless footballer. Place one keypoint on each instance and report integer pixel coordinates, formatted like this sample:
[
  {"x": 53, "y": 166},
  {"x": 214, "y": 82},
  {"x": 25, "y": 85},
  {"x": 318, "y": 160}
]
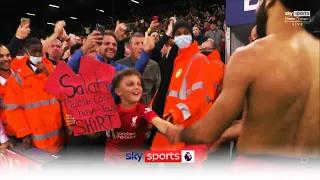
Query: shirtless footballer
[{"x": 275, "y": 80}]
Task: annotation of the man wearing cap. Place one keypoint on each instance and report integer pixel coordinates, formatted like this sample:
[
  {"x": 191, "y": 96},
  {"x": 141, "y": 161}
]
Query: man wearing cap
[{"x": 190, "y": 91}]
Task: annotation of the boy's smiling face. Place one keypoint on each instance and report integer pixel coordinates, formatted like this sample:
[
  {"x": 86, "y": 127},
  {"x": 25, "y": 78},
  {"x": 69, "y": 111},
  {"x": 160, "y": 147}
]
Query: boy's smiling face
[{"x": 130, "y": 89}]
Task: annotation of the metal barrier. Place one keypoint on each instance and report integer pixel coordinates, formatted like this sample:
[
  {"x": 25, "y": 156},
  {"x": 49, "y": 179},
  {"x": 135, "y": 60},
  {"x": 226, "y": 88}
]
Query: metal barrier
[{"x": 32, "y": 160}]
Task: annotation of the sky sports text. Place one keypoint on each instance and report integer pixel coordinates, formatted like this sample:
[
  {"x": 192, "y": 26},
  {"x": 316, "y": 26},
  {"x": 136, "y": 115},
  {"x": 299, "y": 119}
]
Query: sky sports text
[
  {"x": 298, "y": 13},
  {"x": 184, "y": 156}
]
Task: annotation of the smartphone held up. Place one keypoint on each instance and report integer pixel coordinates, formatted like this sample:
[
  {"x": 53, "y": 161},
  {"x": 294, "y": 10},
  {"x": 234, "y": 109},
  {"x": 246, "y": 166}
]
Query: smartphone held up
[
  {"x": 155, "y": 18},
  {"x": 101, "y": 29}
]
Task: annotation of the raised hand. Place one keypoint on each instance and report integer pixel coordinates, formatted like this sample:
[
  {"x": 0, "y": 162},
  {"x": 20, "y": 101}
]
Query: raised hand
[
  {"x": 170, "y": 28},
  {"x": 94, "y": 39},
  {"x": 59, "y": 28},
  {"x": 154, "y": 25},
  {"x": 23, "y": 31},
  {"x": 173, "y": 20},
  {"x": 148, "y": 43},
  {"x": 120, "y": 30}
]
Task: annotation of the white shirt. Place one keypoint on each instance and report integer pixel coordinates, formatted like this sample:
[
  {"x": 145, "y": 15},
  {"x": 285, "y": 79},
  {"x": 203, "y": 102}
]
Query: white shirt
[{"x": 3, "y": 80}]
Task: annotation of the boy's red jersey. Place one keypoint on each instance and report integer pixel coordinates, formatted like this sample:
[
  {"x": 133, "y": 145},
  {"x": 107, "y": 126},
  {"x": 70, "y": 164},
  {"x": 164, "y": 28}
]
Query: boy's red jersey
[{"x": 130, "y": 136}]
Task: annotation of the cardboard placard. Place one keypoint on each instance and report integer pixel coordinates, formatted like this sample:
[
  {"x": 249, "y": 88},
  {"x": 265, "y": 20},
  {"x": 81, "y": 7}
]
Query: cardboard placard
[{"x": 86, "y": 96}]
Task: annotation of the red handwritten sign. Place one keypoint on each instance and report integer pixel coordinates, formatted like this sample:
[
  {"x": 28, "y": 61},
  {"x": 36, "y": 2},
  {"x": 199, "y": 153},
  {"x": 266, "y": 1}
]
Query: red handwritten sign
[{"x": 86, "y": 96}]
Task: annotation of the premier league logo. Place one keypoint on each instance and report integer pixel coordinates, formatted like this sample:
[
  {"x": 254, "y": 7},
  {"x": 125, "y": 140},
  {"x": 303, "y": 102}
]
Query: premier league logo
[{"x": 188, "y": 156}]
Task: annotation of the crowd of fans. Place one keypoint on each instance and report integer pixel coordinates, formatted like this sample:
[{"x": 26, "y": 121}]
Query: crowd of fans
[
  {"x": 151, "y": 45},
  {"x": 169, "y": 71}
]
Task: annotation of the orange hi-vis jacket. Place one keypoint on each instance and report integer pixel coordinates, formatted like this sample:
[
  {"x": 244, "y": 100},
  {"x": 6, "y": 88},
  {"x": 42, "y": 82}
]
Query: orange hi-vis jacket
[
  {"x": 31, "y": 111},
  {"x": 189, "y": 94},
  {"x": 217, "y": 67},
  {"x": 3, "y": 86}
]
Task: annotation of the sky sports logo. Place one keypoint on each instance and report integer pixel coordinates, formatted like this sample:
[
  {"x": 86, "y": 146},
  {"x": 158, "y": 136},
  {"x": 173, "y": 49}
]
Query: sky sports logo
[
  {"x": 298, "y": 16},
  {"x": 184, "y": 156}
]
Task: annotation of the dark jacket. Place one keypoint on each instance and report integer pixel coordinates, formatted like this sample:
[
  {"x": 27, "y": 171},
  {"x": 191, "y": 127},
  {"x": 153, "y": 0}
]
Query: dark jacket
[
  {"x": 14, "y": 46},
  {"x": 166, "y": 69},
  {"x": 200, "y": 39},
  {"x": 156, "y": 52}
]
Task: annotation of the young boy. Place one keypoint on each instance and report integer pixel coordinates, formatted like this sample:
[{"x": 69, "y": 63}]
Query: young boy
[{"x": 135, "y": 118}]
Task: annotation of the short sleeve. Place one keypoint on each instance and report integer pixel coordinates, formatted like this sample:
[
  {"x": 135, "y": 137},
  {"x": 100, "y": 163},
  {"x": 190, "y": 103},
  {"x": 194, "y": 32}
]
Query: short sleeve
[{"x": 147, "y": 113}]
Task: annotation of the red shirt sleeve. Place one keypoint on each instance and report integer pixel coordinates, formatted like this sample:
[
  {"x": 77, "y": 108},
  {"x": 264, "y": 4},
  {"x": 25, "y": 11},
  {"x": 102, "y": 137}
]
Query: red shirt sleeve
[{"x": 147, "y": 113}]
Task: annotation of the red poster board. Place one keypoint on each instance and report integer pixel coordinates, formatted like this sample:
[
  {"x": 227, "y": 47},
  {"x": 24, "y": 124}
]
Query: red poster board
[{"x": 86, "y": 96}]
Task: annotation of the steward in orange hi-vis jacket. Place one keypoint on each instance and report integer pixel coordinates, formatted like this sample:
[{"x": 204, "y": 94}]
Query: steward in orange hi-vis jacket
[
  {"x": 3, "y": 86},
  {"x": 5, "y": 72},
  {"x": 31, "y": 111},
  {"x": 189, "y": 94}
]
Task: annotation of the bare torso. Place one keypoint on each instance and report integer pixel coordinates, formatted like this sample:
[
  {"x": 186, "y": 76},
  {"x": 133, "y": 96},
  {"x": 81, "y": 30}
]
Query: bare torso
[{"x": 283, "y": 101}]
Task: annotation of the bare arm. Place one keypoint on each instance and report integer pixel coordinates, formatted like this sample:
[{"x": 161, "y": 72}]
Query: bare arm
[
  {"x": 58, "y": 31},
  {"x": 161, "y": 124},
  {"x": 233, "y": 132},
  {"x": 230, "y": 134},
  {"x": 47, "y": 43},
  {"x": 227, "y": 107}
]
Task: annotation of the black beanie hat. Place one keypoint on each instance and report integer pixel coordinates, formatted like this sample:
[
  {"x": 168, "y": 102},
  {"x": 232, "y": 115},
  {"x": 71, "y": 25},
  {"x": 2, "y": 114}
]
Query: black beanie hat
[{"x": 180, "y": 24}]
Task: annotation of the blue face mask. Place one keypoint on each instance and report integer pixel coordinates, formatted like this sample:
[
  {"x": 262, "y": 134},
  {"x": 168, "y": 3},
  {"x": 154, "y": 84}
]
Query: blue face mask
[{"x": 183, "y": 41}]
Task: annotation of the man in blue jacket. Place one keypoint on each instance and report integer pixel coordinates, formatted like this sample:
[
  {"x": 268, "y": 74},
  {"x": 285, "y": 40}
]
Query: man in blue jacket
[
  {"x": 79, "y": 147},
  {"x": 108, "y": 50}
]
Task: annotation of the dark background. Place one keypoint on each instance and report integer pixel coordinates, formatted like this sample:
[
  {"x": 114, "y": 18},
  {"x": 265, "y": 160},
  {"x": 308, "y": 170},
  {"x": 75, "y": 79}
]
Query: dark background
[{"x": 85, "y": 10}]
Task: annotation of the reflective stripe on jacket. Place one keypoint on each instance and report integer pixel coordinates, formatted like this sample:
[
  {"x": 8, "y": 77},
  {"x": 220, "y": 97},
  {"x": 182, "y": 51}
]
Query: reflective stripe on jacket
[
  {"x": 190, "y": 92},
  {"x": 217, "y": 69},
  {"x": 31, "y": 111}
]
